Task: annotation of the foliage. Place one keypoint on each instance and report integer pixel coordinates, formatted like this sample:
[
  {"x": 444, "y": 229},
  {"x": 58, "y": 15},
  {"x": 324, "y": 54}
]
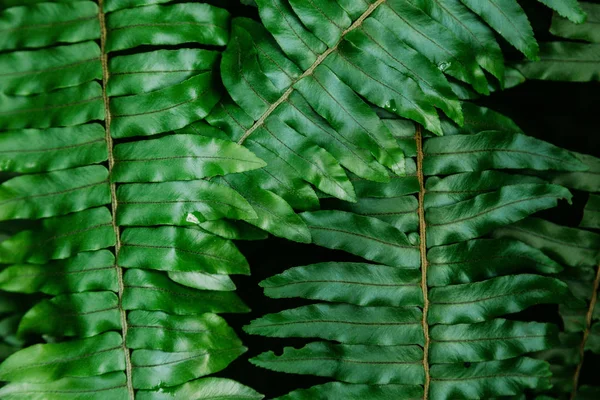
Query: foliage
[{"x": 142, "y": 137}]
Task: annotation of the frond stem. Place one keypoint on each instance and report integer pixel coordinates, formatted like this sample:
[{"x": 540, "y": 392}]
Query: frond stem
[
  {"x": 113, "y": 196},
  {"x": 586, "y": 333},
  {"x": 424, "y": 263},
  {"x": 310, "y": 70}
]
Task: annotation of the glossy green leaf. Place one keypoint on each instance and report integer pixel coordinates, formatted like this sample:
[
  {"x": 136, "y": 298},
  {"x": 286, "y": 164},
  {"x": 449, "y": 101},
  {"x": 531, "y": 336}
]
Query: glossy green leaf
[
  {"x": 311, "y": 162},
  {"x": 33, "y": 150},
  {"x": 464, "y": 186},
  {"x": 162, "y": 110},
  {"x": 353, "y": 283},
  {"x": 356, "y": 392},
  {"x": 470, "y": 29},
  {"x": 180, "y": 23},
  {"x": 488, "y": 379},
  {"x": 497, "y": 339},
  {"x": 476, "y": 302},
  {"x": 80, "y": 314},
  {"x": 147, "y": 72},
  {"x": 509, "y": 20},
  {"x": 279, "y": 177},
  {"x": 274, "y": 214},
  {"x": 233, "y": 230},
  {"x": 202, "y": 280},
  {"x": 54, "y": 193},
  {"x": 39, "y": 71},
  {"x": 201, "y": 389},
  {"x": 179, "y": 249},
  {"x": 60, "y": 237},
  {"x": 111, "y": 385},
  {"x": 500, "y": 150},
  {"x": 432, "y": 39},
  {"x": 180, "y": 157},
  {"x": 399, "y": 212},
  {"x": 586, "y": 181},
  {"x": 64, "y": 107},
  {"x": 153, "y": 368},
  {"x": 347, "y": 231},
  {"x": 195, "y": 202},
  {"x": 87, "y": 271},
  {"x": 153, "y": 291},
  {"x": 350, "y": 363},
  {"x": 43, "y": 363},
  {"x": 44, "y": 24},
  {"x": 480, "y": 259},
  {"x": 479, "y": 119},
  {"x": 178, "y": 333}
]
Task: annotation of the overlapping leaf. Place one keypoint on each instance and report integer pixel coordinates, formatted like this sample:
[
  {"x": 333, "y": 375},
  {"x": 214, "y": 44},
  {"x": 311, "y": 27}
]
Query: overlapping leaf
[
  {"x": 471, "y": 280},
  {"x": 132, "y": 311}
]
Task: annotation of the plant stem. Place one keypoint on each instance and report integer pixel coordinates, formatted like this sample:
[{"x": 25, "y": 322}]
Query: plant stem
[
  {"x": 586, "y": 333},
  {"x": 424, "y": 264},
  {"x": 113, "y": 196}
]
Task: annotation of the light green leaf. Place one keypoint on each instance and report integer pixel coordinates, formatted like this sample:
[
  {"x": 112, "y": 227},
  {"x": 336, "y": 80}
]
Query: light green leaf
[
  {"x": 44, "y": 24},
  {"x": 203, "y": 389},
  {"x": 79, "y": 314},
  {"x": 166, "y": 109},
  {"x": 54, "y": 193},
  {"x": 491, "y": 149},
  {"x": 156, "y": 70},
  {"x": 180, "y": 157},
  {"x": 63, "y": 107},
  {"x": 498, "y": 339},
  {"x": 179, "y": 249},
  {"x": 153, "y": 291},
  {"x": 60, "y": 237},
  {"x": 111, "y": 385},
  {"x": 39, "y": 71},
  {"x": 195, "y": 202},
  {"x": 33, "y": 150},
  {"x": 87, "y": 271},
  {"x": 44, "y": 363},
  {"x": 180, "y": 23},
  {"x": 356, "y": 392},
  {"x": 178, "y": 333}
]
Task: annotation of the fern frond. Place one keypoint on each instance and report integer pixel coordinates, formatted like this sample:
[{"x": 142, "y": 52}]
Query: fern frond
[
  {"x": 569, "y": 60},
  {"x": 577, "y": 250},
  {"x": 134, "y": 281},
  {"x": 425, "y": 318}
]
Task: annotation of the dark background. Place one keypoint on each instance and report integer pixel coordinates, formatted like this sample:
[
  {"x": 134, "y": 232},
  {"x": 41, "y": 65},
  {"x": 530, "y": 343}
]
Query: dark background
[{"x": 558, "y": 112}]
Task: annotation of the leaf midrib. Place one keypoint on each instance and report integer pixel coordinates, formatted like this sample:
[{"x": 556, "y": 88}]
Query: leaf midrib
[
  {"x": 113, "y": 197},
  {"x": 309, "y": 71}
]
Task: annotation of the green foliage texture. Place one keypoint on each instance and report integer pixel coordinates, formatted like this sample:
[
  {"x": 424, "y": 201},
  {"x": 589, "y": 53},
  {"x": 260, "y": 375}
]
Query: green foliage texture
[{"x": 139, "y": 139}]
